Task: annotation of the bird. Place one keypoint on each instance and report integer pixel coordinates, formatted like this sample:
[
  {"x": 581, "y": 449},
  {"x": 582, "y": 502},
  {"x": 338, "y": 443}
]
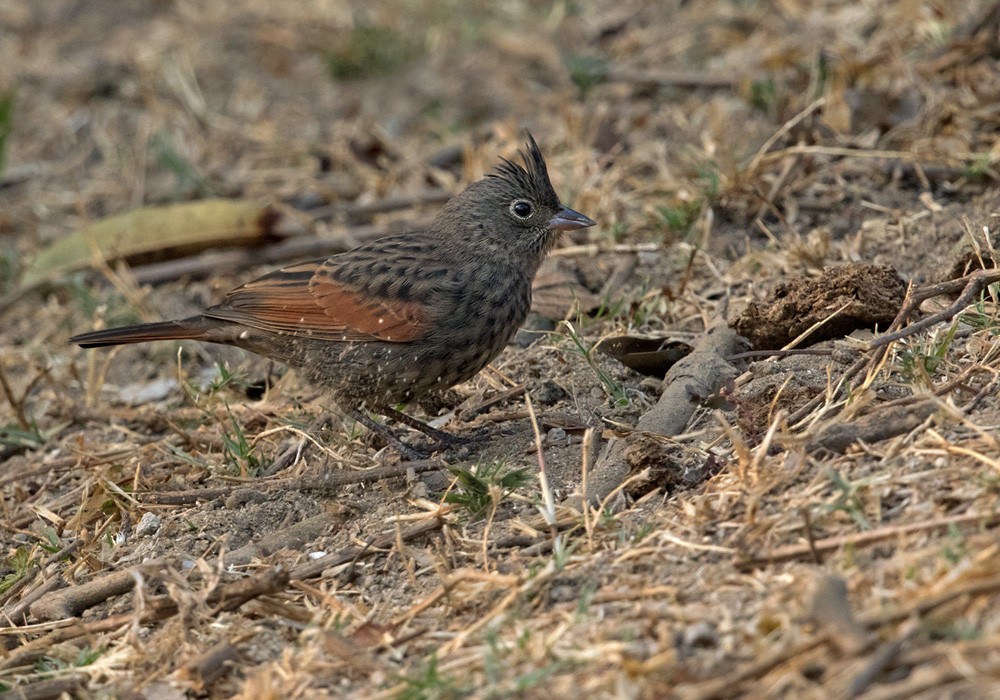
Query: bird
[{"x": 402, "y": 316}]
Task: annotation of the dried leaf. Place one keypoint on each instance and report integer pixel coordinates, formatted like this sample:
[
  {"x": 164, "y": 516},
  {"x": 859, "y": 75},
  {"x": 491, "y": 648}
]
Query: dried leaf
[
  {"x": 651, "y": 356},
  {"x": 176, "y": 228}
]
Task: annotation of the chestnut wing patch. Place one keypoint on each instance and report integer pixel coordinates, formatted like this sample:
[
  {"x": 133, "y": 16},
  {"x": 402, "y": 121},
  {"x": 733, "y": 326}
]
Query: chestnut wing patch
[{"x": 304, "y": 300}]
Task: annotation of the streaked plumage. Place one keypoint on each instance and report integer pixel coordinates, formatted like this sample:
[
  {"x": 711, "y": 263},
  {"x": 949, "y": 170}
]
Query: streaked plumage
[{"x": 401, "y": 316}]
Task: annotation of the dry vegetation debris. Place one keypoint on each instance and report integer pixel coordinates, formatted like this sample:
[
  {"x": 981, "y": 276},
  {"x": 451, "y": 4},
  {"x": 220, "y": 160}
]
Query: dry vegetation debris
[{"x": 817, "y": 521}]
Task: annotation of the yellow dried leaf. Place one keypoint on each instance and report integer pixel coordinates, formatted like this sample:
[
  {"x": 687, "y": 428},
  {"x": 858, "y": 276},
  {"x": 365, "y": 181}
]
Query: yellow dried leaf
[{"x": 175, "y": 228}]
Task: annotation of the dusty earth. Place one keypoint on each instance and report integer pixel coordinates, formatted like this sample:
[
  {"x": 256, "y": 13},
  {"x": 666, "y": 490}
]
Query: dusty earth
[{"x": 804, "y": 512}]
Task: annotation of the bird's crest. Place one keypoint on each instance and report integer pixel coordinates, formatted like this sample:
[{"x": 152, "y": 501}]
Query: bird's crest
[{"x": 533, "y": 176}]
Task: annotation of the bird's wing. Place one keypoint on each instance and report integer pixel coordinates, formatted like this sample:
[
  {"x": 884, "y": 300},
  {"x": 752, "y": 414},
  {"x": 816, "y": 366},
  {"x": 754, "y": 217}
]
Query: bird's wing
[{"x": 306, "y": 300}]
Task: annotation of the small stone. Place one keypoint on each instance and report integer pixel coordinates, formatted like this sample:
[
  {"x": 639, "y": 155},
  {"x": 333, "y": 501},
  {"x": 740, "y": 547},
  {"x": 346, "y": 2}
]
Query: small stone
[
  {"x": 844, "y": 355},
  {"x": 555, "y": 435},
  {"x": 435, "y": 482},
  {"x": 148, "y": 525},
  {"x": 549, "y": 393},
  {"x": 141, "y": 393}
]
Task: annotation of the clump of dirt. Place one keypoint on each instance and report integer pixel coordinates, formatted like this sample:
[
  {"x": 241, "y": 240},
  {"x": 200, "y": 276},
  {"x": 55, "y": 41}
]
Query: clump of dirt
[
  {"x": 843, "y": 299},
  {"x": 670, "y": 468}
]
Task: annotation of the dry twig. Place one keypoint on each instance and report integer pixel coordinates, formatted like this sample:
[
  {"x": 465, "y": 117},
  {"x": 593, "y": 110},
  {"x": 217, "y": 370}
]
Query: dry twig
[
  {"x": 327, "y": 480},
  {"x": 971, "y": 286},
  {"x": 807, "y": 550}
]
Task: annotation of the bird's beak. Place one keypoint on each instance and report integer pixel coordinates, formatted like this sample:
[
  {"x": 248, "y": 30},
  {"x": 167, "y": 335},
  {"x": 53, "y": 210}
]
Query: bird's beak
[{"x": 569, "y": 220}]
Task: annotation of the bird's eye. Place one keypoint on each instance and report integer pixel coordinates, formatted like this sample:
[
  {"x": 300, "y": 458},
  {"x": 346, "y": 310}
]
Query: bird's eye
[{"x": 521, "y": 208}]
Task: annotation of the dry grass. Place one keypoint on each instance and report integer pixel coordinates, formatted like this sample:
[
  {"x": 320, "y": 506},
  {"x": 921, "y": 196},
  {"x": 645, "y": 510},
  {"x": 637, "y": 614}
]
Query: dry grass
[{"x": 723, "y": 147}]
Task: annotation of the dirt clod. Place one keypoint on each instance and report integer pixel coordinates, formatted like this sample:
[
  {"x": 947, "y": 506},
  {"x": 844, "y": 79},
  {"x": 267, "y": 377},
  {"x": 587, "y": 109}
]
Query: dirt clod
[{"x": 842, "y": 298}]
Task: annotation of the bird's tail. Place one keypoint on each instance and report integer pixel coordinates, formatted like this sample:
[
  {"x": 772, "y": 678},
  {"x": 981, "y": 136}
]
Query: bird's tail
[{"x": 193, "y": 328}]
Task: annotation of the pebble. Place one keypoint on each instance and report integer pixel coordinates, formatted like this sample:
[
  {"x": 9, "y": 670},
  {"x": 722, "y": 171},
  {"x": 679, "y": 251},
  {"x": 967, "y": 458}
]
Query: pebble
[
  {"x": 435, "y": 482},
  {"x": 555, "y": 435},
  {"x": 549, "y": 393},
  {"x": 148, "y": 525},
  {"x": 147, "y": 392}
]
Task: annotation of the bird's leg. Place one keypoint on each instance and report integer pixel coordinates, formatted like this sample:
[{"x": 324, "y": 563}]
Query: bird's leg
[
  {"x": 373, "y": 425},
  {"x": 442, "y": 438}
]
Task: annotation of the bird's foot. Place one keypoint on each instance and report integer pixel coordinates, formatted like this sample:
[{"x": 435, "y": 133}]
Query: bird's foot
[
  {"x": 405, "y": 451},
  {"x": 442, "y": 440}
]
